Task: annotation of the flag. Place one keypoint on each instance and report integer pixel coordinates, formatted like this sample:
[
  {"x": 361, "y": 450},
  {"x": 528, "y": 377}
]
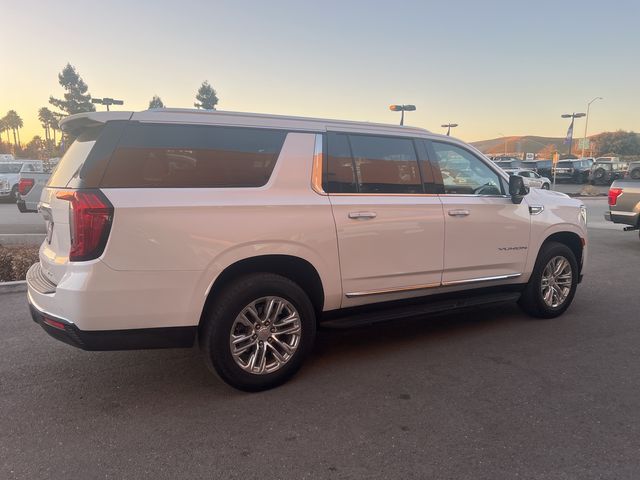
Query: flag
[{"x": 569, "y": 138}]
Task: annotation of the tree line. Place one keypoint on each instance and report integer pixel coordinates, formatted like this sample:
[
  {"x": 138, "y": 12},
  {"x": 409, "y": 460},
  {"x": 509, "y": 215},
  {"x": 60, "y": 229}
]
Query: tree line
[{"x": 76, "y": 99}]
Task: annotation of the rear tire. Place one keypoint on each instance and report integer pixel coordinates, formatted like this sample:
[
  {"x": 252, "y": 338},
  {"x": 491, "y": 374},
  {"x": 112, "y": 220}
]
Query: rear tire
[
  {"x": 545, "y": 186},
  {"x": 635, "y": 174},
  {"x": 269, "y": 359},
  {"x": 14, "y": 194},
  {"x": 548, "y": 293}
]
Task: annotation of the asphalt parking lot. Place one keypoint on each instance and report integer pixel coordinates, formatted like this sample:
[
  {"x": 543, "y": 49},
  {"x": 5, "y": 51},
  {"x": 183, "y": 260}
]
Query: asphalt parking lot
[{"x": 488, "y": 394}]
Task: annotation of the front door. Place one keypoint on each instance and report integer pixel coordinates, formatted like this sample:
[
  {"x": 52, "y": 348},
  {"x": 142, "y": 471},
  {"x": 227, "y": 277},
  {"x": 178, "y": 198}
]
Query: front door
[{"x": 487, "y": 235}]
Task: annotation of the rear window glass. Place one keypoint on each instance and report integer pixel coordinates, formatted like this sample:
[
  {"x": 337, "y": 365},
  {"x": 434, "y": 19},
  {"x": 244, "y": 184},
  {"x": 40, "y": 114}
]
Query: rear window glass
[
  {"x": 72, "y": 161},
  {"x": 173, "y": 156}
]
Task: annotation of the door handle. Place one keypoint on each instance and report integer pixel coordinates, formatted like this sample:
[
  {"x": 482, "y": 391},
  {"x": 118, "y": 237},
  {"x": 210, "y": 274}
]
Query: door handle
[
  {"x": 362, "y": 215},
  {"x": 459, "y": 213}
]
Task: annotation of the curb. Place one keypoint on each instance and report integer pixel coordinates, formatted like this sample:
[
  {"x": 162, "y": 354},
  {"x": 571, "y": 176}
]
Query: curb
[
  {"x": 13, "y": 287},
  {"x": 21, "y": 239}
]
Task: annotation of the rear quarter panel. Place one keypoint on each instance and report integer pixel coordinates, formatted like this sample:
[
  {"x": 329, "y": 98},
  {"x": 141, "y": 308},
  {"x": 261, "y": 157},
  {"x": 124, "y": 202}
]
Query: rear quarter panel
[{"x": 202, "y": 231}]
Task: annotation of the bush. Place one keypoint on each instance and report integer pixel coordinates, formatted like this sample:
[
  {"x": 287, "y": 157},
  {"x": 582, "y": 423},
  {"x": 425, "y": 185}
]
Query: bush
[{"x": 15, "y": 261}]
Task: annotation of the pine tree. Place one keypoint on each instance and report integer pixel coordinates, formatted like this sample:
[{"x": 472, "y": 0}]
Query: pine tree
[
  {"x": 76, "y": 99},
  {"x": 156, "y": 102},
  {"x": 206, "y": 97}
]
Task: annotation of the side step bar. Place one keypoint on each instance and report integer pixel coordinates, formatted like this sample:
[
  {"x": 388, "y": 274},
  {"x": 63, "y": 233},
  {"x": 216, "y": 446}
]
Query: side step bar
[{"x": 362, "y": 318}]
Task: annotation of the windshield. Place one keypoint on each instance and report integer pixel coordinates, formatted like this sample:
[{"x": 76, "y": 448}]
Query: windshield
[{"x": 10, "y": 167}]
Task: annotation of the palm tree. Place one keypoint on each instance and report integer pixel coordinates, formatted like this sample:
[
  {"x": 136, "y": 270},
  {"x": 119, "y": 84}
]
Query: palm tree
[
  {"x": 44, "y": 115},
  {"x": 15, "y": 123},
  {"x": 4, "y": 127}
]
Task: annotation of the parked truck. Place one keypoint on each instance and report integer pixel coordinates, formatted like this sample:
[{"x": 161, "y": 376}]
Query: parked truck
[
  {"x": 624, "y": 204},
  {"x": 32, "y": 179}
]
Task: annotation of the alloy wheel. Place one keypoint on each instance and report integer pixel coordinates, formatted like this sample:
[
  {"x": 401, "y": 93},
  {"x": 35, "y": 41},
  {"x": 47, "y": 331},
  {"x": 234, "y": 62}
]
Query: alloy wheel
[
  {"x": 556, "y": 282},
  {"x": 265, "y": 335}
]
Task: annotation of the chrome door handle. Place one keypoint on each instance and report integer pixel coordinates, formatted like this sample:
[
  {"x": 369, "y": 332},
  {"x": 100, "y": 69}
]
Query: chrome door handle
[
  {"x": 362, "y": 215},
  {"x": 459, "y": 213}
]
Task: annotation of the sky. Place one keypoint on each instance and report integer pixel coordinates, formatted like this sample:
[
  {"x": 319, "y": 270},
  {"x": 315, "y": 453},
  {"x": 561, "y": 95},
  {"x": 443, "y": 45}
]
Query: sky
[{"x": 494, "y": 67}]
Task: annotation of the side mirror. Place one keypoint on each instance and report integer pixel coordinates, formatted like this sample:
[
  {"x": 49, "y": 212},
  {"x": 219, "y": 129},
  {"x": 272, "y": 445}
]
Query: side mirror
[{"x": 517, "y": 188}]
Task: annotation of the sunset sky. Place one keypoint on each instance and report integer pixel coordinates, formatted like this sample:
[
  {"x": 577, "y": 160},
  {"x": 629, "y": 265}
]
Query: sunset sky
[{"x": 494, "y": 67}]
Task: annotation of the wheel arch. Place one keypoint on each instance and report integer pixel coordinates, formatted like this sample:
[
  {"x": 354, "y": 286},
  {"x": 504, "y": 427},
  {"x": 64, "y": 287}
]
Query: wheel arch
[
  {"x": 571, "y": 240},
  {"x": 294, "y": 268}
]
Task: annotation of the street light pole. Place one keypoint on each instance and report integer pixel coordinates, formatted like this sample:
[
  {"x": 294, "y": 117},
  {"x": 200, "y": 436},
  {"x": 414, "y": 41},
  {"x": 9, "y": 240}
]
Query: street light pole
[
  {"x": 449, "y": 126},
  {"x": 402, "y": 108},
  {"x": 586, "y": 124},
  {"x": 107, "y": 101}
]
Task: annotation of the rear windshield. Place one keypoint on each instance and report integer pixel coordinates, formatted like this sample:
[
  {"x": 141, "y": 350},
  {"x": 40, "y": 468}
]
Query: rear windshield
[
  {"x": 193, "y": 156},
  {"x": 74, "y": 158},
  {"x": 10, "y": 167}
]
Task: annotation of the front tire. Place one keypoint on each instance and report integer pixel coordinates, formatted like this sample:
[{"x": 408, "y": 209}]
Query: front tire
[
  {"x": 545, "y": 186},
  {"x": 553, "y": 282},
  {"x": 14, "y": 194},
  {"x": 258, "y": 332}
]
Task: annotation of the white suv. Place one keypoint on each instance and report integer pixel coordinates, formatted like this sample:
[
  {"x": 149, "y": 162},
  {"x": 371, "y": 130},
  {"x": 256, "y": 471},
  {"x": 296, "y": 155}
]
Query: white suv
[{"x": 248, "y": 231}]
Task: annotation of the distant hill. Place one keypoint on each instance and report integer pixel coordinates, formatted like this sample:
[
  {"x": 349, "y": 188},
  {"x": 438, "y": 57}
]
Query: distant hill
[{"x": 543, "y": 146}]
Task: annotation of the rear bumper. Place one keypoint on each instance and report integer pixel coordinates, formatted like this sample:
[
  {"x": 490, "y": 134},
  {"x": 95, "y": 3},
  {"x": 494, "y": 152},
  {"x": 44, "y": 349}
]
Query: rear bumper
[
  {"x": 625, "y": 218},
  {"x": 135, "y": 339},
  {"x": 22, "y": 206}
]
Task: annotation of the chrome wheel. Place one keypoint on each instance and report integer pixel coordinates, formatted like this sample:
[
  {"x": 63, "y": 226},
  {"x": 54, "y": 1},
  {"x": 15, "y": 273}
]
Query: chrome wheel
[
  {"x": 265, "y": 335},
  {"x": 557, "y": 278}
]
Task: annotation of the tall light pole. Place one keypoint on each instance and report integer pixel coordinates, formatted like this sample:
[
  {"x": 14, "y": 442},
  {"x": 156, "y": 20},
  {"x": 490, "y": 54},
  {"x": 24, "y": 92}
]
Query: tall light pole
[
  {"x": 449, "y": 126},
  {"x": 402, "y": 108},
  {"x": 572, "y": 116},
  {"x": 586, "y": 124}
]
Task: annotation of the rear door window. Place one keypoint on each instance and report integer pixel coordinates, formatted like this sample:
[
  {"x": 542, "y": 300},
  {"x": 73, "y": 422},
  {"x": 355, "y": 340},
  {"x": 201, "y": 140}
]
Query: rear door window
[
  {"x": 386, "y": 164},
  {"x": 193, "y": 156}
]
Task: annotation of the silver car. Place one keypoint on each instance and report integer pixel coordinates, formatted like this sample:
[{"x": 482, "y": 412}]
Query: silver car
[{"x": 531, "y": 178}]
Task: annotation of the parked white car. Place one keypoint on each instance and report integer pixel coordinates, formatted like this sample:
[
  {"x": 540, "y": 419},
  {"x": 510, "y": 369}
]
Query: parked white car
[
  {"x": 531, "y": 179},
  {"x": 246, "y": 231}
]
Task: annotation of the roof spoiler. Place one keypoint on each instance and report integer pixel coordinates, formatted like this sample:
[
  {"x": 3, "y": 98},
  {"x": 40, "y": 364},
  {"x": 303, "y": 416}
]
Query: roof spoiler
[{"x": 74, "y": 124}]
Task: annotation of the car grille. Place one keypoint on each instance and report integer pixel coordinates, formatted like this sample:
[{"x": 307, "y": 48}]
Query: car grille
[{"x": 38, "y": 280}]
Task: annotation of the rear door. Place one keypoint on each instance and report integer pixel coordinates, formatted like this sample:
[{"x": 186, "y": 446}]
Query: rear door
[
  {"x": 390, "y": 225},
  {"x": 487, "y": 235}
]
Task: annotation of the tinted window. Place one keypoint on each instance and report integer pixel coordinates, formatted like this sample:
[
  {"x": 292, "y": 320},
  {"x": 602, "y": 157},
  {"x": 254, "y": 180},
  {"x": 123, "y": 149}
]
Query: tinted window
[
  {"x": 340, "y": 173},
  {"x": 464, "y": 173},
  {"x": 74, "y": 158},
  {"x": 385, "y": 164},
  {"x": 153, "y": 155}
]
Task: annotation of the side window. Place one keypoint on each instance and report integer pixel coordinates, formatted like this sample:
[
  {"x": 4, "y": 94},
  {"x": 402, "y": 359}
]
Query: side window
[
  {"x": 463, "y": 173},
  {"x": 340, "y": 174},
  {"x": 191, "y": 156},
  {"x": 385, "y": 164}
]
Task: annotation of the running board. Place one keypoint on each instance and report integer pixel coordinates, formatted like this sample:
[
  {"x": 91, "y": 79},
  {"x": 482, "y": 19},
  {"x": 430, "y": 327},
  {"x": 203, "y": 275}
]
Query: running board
[{"x": 439, "y": 306}]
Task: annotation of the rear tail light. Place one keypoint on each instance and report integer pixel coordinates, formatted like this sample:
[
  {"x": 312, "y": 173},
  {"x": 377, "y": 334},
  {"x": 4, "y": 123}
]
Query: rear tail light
[
  {"x": 90, "y": 218},
  {"x": 614, "y": 193},
  {"x": 25, "y": 185}
]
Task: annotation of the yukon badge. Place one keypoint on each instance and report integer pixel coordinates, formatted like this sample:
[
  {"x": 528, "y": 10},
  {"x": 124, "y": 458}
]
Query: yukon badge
[{"x": 509, "y": 249}]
